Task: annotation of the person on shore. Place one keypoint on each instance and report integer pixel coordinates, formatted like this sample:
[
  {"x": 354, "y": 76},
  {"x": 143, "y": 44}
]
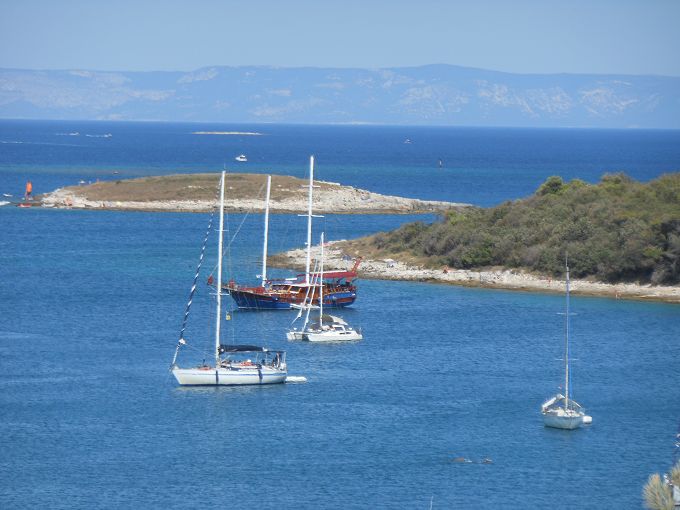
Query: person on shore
[{"x": 29, "y": 191}]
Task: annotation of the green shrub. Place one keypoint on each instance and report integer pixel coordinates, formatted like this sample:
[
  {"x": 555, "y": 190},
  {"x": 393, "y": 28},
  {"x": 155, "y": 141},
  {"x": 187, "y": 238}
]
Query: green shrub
[
  {"x": 617, "y": 230},
  {"x": 552, "y": 186}
]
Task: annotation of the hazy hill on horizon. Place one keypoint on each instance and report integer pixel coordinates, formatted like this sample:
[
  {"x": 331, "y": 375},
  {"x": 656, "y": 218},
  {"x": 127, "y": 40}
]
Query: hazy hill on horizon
[{"x": 426, "y": 95}]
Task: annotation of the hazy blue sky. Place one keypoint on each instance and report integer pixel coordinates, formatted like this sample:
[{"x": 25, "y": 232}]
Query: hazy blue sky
[{"x": 542, "y": 36}]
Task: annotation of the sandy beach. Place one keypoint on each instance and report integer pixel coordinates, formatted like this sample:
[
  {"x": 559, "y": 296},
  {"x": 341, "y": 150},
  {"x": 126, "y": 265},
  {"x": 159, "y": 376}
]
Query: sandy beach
[{"x": 509, "y": 279}]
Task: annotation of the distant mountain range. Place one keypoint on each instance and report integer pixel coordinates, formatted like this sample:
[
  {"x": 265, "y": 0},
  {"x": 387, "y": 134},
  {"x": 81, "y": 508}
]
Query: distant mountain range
[{"x": 428, "y": 95}]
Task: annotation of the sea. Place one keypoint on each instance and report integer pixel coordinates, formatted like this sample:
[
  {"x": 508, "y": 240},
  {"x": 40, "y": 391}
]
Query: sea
[{"x": 437, "y": 408}]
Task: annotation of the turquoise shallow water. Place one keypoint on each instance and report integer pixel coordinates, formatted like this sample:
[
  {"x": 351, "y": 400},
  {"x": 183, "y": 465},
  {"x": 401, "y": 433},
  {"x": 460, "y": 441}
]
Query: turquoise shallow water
[{"x": 90, "y": 417}]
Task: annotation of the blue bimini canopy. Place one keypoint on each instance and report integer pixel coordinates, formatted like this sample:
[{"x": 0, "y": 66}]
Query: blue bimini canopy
[{"x": 241, "y": 348}]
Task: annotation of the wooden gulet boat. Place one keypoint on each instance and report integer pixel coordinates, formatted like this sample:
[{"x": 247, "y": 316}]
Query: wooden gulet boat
[{"x": 339, "y": 289}]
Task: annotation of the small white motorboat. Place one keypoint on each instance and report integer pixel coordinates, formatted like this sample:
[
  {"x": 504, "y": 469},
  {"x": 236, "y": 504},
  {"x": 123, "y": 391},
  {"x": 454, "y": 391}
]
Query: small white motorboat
[{"x": 241, "y": 158}]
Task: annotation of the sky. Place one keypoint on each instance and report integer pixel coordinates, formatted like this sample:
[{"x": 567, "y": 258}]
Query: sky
[{"x": 519, "y": 36}]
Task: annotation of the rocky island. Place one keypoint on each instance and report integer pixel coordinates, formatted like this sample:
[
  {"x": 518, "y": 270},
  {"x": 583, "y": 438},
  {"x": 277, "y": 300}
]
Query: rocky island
[{"x": 245, "y": 192}]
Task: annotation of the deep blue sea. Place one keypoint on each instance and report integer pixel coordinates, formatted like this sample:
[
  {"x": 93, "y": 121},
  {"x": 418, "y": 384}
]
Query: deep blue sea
[
  {"x": 92, "y": 301},
  {"x": 483, "y": 166}
]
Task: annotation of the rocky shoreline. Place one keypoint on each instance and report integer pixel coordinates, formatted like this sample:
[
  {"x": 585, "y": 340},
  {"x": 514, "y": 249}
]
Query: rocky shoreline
[
  {"x": 194, "y": 192},
  {"x": 389, "y": 269}
]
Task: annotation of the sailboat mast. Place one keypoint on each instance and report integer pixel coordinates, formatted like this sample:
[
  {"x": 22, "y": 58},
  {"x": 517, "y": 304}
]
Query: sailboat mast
[
  {"x": 266, "y": 232},
  {"x": 321, "y": 286},
  {"x": 219, "y": 274},
  {"x": 309, "y": 298},
  {"x": 309, "y": 219},
  {"x": 309, "y": 306},
  {"x": 566, "y": 345}
]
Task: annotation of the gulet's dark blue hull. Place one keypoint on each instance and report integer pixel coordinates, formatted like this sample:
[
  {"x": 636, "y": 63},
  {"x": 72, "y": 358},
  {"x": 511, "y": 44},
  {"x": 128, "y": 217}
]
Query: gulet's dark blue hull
[{"x": 246, "y": 299}]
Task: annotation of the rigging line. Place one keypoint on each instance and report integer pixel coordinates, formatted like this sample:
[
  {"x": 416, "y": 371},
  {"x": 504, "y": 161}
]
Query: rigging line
[
  {"x": 192, "y": 293},
  {"x": 245, "y": 217},
  {"x": 290, "y": 223},
  {"x": 192, "y": 348},
  {"x": 230, "y": 271},
  {"x": 252, "y": 208},
  {"x": 304, "y": 302},
  {"x": 233, "y": 238},
  {"x": 198, "y": 270}
]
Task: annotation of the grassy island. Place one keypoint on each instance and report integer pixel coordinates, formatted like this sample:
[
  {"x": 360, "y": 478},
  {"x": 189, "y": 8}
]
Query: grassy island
[
  {"x": 618, "y": 230},
  {"x": 245, "y": 192}
]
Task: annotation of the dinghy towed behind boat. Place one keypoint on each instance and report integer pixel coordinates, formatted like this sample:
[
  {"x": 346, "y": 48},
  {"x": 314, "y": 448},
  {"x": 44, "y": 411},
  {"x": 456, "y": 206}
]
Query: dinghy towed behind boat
[
  {"x": 560, "y": 411},
  {"x": 241, "y": 364}
]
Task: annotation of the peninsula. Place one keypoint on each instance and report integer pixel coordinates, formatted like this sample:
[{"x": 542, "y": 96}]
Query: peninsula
[
  {"x": 622, "y": 239},
  {"x": 336, "y": 256},
  {"x": 246, "y": 192}
]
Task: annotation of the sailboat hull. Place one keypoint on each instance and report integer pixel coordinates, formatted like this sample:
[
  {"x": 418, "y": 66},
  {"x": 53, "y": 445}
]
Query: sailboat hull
[
  {"x": 563, "y": 422},
  {"x": 228, "y": 377},
  {"x": 333, "y": 336}
]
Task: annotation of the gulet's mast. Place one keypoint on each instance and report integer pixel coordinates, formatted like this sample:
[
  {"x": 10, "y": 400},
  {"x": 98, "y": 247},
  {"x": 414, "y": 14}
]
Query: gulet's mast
[
  {"x": 266, "y": 232},
  {"x": 309, "y": 219}
]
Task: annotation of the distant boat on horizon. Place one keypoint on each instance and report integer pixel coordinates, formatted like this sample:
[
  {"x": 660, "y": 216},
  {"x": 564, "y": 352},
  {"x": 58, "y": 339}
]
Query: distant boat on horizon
[{"x": 241, "y": 158}]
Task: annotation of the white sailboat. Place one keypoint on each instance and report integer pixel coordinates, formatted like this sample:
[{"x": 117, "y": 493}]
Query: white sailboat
[
  {"x": 328, "y": 328},
  {"x": 561, "y": 411},
  {"x": 304, "y": 309},
  {"x": 233, "y": 364}
]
